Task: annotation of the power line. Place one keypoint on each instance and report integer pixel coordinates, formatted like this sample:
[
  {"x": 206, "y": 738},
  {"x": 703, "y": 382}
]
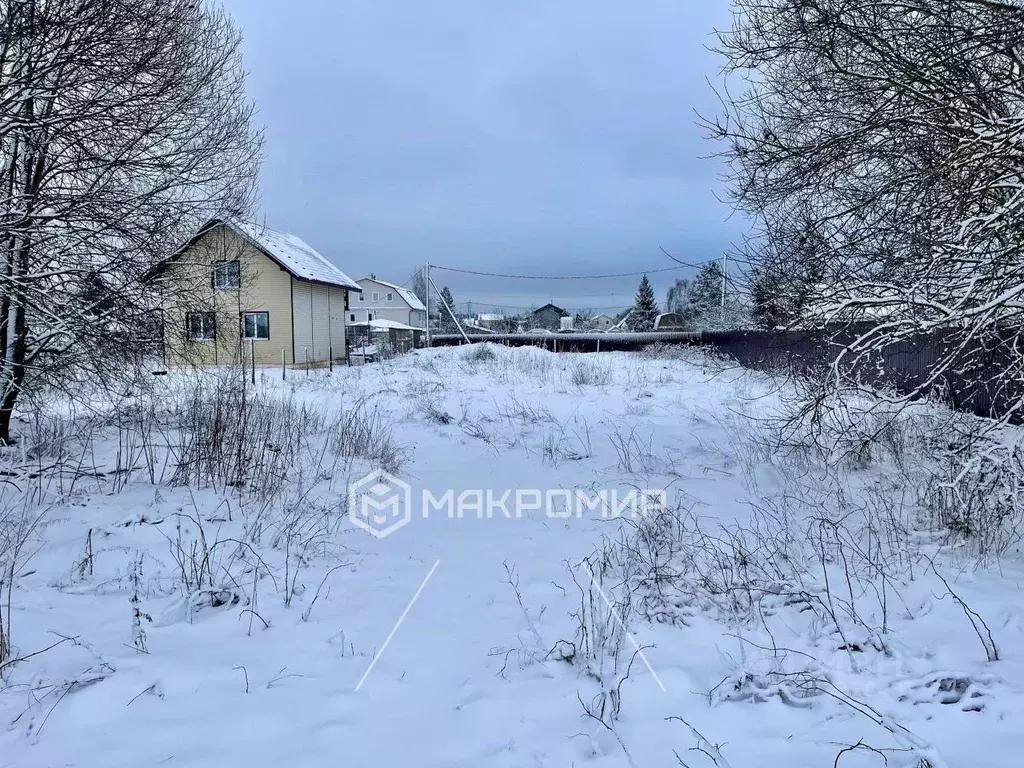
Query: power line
[{"x": 682, "y": 265}]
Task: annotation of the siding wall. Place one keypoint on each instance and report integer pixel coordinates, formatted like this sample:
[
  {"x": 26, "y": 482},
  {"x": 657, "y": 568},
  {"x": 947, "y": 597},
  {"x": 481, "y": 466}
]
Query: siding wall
[
  {"x": 382, "y": 309},
  {"x": 302, "y": 314},
  {"x": 396, "y": 314},
  {"x": 186, "y": 286},
  {"x": 319, "y": 321}
]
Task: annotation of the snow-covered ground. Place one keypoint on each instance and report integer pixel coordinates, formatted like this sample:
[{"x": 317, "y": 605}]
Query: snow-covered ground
[{"x": 782, "y": 609}]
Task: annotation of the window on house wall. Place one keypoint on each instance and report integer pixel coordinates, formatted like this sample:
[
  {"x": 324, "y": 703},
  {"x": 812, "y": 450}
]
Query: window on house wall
[
  {"x": 256, "y": 325},
  {"x": 369, "y": 316},
  {"x": 391, "y": 296},
  {"x": 351, "y": 318},
  {"x": 200, "y": 326},
  {"x": 376, "y": 296},
  {"x": 362, "y": 297},
  {"x": 226, "y": 275}
]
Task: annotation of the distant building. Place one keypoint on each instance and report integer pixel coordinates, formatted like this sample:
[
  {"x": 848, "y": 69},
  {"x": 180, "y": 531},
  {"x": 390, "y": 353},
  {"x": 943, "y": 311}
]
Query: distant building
[
  {"x": 494, "y": 322},
  {"x": 623, "y": 323},
  {"x": 549, "y": 316},
  {"x": 602, "y": 322},
  {"x": 381, "y": 300},
  {"x": 472, "y": 326}
]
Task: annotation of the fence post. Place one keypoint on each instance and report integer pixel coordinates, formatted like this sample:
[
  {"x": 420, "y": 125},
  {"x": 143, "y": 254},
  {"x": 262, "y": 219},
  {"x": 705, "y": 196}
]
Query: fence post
[
  {"x": 284, "y": 366},
  {"x": 330, "y": 358},
  {"x": 241, "y": 361},
  {"x": 252, "y": 358},
  {"x": 598, "y": 345},
  {"x": 305, "y": 353}
]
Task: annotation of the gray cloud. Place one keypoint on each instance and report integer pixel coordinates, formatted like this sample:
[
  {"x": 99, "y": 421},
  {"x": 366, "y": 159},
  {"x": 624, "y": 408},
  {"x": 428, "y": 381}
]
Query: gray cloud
[{"x": 553, "y": 136}]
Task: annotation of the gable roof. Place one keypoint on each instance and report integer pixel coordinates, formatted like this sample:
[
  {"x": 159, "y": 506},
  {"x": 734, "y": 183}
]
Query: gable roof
[
  {"x": 408, "y": 296},
  {"x": 559, "y": 310},
  {"x": 290, "y": 252}
]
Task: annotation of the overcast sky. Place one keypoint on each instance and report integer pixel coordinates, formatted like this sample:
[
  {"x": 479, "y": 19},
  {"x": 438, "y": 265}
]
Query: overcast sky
[{"x": 518, "y": 136}]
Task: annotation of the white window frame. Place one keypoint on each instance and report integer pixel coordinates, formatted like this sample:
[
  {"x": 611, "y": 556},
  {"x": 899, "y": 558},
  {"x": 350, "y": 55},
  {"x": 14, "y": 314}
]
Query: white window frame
[
  {"x": 376, "y": 296},
  {"x": 226, "y": 281},
  {"x": 362, "y": 297},
  {"x": 257, "y": 337},
  {"x": 390, "y": 296}
]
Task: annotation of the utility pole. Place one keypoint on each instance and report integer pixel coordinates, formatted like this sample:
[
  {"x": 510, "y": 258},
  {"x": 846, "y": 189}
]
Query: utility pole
[
  {"x": 451, "y": 312},
  {"x": 428, "y": 303}
]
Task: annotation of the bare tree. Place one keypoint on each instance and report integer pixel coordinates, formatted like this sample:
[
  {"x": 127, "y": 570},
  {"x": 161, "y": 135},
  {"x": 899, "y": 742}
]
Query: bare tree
[
  {"x": 418, "y": 284},
  {"x": 125, "y": 127},
  {"x": 892, "y": 131}
]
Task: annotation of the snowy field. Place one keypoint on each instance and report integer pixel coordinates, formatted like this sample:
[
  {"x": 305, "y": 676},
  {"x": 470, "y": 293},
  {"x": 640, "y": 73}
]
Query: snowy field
[{"x": 191, "y": 591}]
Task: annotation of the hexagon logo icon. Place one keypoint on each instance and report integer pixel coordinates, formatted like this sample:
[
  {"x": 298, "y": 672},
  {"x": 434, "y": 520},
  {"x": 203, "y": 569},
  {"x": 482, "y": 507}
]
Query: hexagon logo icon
[{"x": 379, "y": 503}]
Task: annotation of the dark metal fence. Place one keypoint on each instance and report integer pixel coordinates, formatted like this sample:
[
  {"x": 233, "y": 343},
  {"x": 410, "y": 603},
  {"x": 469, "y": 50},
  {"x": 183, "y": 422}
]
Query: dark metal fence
[
  {"x": 982, "y": 375},
  {"x": 573, "y": 342}
]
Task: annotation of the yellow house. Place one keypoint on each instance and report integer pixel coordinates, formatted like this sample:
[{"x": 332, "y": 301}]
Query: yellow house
[{"x": 237, "y": 289}]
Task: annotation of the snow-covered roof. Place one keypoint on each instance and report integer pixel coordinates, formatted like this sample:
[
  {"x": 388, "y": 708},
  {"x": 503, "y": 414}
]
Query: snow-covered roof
[
  {"x": 294, "y": 254},
  {"x": 384, "y": 325},
  {"x": 410, "y": 298}
]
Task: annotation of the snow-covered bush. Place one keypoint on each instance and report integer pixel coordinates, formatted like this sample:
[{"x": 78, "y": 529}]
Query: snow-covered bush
[
  {"x": 481, "y": 353},
  {"x": 589, "y": 372}
]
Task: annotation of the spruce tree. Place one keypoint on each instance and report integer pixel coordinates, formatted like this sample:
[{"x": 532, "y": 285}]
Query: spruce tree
[
  {"x": 447, "y": 324},
  {"x": 645, "y": 308},
  {"x": 706, "y": 297}
]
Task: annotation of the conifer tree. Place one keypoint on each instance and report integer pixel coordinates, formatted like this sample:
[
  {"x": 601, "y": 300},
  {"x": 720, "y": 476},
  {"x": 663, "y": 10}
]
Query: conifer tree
[{"x": 645, "y": 308}]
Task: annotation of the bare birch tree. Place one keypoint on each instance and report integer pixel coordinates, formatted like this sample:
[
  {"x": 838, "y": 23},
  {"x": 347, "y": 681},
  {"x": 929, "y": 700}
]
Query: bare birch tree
[{"x": 123, "y": 126}]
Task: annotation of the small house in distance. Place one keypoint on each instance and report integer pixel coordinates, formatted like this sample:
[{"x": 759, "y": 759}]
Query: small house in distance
[
  {"x": 492, "y": 321},
  {"x": 549, "y": 316},
  {"x": 381, "y": 300},
  {"x": 597, "y": 323},
  {"x": 237, "y": 289}
]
